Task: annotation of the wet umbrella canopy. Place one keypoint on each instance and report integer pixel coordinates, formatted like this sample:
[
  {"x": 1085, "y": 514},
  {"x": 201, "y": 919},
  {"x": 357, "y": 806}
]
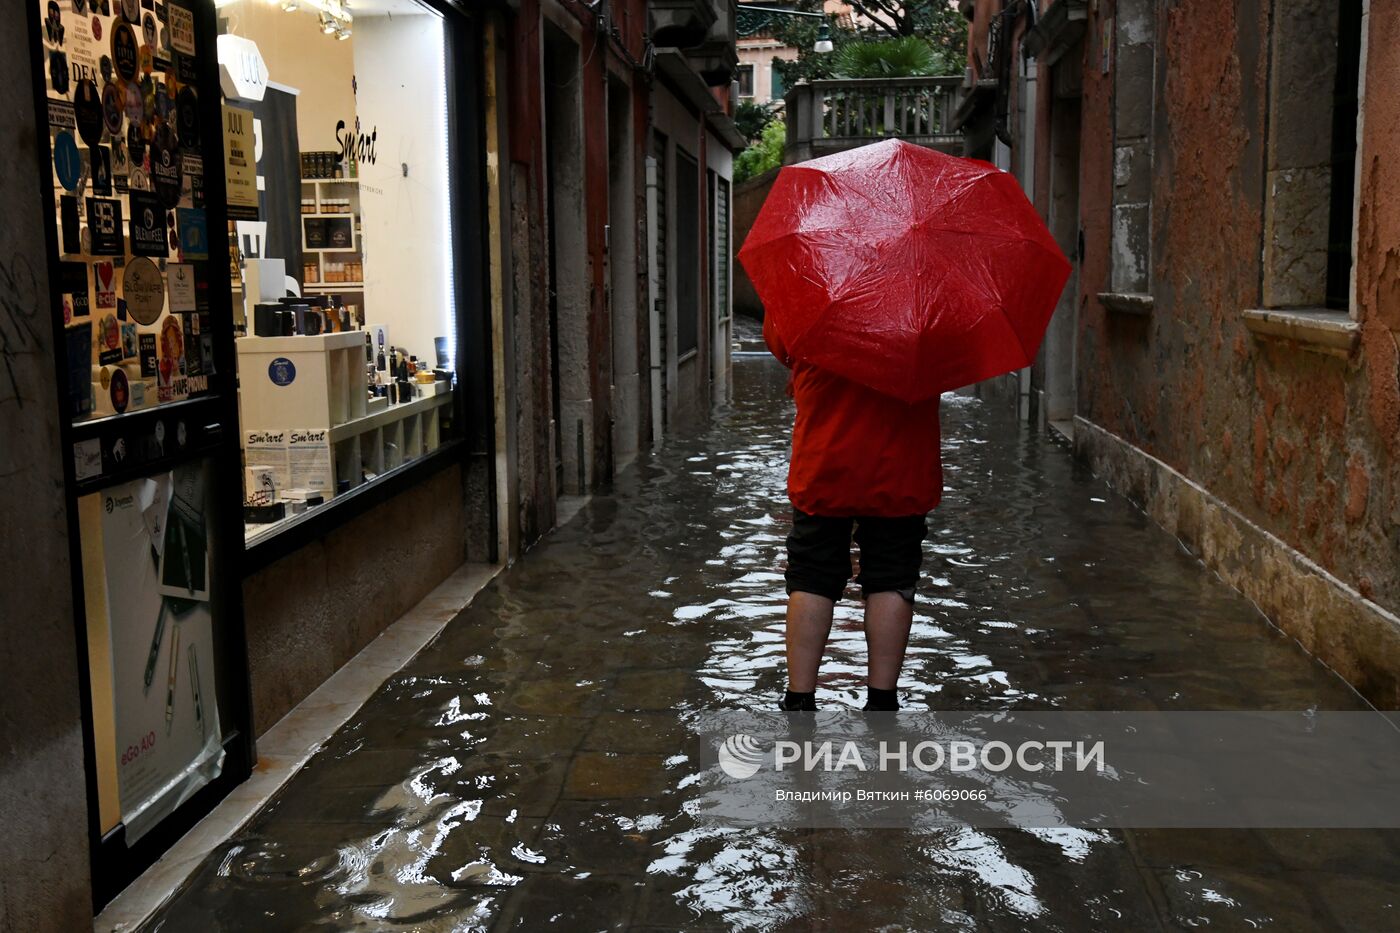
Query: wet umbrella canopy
[{"x": 904, "y": 269}]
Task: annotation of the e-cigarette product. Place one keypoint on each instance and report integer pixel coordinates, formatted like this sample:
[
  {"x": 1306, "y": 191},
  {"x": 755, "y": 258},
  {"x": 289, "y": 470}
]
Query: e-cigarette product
[
  {"x": 170, "y": 684},
  {"x": 194, "y": 686},
  {"x": 154, "y": 656}
]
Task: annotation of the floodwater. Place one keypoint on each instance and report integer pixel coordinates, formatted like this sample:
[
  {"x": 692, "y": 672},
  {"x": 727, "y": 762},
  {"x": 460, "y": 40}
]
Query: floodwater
[{"x": 531, "y": 766}]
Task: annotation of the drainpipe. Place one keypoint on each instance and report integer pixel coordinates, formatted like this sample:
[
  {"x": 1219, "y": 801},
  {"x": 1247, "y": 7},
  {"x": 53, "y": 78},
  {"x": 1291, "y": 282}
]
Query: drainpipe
[{"x": 654, "y": 302}]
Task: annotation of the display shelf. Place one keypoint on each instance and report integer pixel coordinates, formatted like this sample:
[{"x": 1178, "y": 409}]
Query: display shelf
[{"x": 389, "y": 415}]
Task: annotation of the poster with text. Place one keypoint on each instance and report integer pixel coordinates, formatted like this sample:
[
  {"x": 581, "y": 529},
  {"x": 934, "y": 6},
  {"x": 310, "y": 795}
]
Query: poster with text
[
  {"x": 240, "y": 164},
  {"x": 155, "y": 556}
]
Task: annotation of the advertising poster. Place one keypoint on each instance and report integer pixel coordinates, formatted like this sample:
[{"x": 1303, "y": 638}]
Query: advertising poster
[
  {"x": 240, "y": 164},
  {"x": 152, "y": 593}
]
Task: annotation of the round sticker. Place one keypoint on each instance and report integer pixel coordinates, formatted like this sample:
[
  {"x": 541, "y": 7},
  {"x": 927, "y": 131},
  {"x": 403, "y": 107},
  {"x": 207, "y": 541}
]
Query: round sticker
[
  {"x": 105, "y": 66},
  {"x": 112, "y": 108},
  {"x": 148, "y": 29},
  {"x": 120, "y": 391},
  {"x": 282, "y": 371},
  {"x": 146, "y": 60},
  {"x": 124, "y": 54},
  {"x": 144, "y": 290},
  {"x": 165, "y": 168},
  {"x": 131, "y": 10},
  {"x": 104, "y": 377},
  {"x": 66, "y": 160},
  {"x": 187, "y": 118},
  {"x": 160, "y": 432},
  {"x": 87, "y": 112},
  {"x": 97, "y": 28},
  {"x": 111, "y": 333},
  {"x": 180, "y": 433}
]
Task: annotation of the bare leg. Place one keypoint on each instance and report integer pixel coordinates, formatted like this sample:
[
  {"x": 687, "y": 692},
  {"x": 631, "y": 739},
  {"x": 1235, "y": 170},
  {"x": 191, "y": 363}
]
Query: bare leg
[
  {"x": 808, "y": 625},
  {"x": 887, "y": 619}
]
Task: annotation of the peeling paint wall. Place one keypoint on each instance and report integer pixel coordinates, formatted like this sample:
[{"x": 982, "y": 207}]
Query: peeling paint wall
[{"x": 1300, "y": 443}]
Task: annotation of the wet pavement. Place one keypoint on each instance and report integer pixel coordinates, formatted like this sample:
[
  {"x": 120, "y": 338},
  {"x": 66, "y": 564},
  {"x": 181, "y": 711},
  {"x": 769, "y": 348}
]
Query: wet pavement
[{"x": 531, "y": 766}]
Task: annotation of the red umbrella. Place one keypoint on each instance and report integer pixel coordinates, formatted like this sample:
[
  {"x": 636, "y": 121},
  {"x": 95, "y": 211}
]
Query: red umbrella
[{"x": 904, "y": 269}]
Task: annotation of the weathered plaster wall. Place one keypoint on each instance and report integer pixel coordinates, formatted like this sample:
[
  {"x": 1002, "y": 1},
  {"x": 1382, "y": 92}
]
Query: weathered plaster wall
[
  {"x": 312, "y": 611},
  {"x": 1303, "y": 445},
  {"x": 43, "y": 794}
]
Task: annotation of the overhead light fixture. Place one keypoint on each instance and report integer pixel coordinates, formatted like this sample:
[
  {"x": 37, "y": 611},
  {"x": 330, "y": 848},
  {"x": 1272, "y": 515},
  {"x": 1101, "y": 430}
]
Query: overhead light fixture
[
  {"x": 823, "y": 43},
  {"x": 327, "y": 23},
  {"x": 342, "y": 31},
  {"x": 290, "y": 6}
]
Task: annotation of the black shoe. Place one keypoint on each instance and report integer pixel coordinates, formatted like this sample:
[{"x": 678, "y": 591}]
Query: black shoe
[
  {"x": 798, "y": 702},
  {"x": 881, "y": 701}
]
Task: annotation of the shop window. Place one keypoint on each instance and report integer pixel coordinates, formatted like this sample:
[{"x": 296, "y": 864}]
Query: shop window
[
  {"x": 342, "y": 268},
  {"x": 745, "y": 76},
  {"x": 1310, "y": 191}
]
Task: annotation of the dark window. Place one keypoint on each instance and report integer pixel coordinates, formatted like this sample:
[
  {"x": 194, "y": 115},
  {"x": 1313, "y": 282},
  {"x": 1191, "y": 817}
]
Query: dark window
[
  {"x": 746, "y": 80},
  {"x": 1344, "y": 108},
  {"x": 687, "y": 254}
]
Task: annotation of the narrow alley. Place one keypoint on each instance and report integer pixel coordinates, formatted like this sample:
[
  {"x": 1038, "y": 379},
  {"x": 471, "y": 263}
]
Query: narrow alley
[{"x": 531, "y": 766}]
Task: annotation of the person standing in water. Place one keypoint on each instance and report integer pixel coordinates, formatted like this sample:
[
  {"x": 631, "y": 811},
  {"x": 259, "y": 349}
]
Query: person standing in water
[{"x": 867, "y": 466}]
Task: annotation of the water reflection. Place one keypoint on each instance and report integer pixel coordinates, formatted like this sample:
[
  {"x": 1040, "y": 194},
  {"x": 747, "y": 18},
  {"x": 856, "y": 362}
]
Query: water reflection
[{"x": 532, "y": 765}]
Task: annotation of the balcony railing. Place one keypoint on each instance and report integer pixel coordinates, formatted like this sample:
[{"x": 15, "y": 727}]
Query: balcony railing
[{"x": 829, "y": 116}]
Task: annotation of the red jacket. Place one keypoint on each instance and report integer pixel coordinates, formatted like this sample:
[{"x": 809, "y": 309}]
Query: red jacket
[{"x": 856, "y": 451}]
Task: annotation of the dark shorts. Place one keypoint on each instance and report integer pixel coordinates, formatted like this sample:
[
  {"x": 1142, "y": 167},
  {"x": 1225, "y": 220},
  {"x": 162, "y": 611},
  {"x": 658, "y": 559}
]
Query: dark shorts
[{"x": 819, "y": 554}]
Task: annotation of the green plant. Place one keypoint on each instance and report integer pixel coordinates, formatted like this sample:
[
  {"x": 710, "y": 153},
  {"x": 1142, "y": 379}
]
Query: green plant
[
  {"x": 750, "y": 119},
  {"x": 904, "y": 57},
  {"x": 765, "y": 154}
]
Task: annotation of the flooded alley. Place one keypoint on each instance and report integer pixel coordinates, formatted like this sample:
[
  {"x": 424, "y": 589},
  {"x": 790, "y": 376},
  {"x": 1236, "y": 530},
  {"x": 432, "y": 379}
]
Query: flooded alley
[{"x": 532, "y": 766}]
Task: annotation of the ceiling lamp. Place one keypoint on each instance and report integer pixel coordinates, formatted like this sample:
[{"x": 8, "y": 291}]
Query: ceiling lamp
[{"x": 823, "y": 43}]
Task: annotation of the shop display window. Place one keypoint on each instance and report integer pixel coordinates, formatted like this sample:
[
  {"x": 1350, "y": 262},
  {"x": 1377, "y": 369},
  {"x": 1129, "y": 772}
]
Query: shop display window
[{"x": 337, "y": 160}]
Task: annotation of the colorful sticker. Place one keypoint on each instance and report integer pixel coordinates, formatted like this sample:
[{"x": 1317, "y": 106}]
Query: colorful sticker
[
  {"x": 194, "y": 236},
  {"x": 165, "y": 167},
  {"x": 125, "y": 55},
  {"x": 144, "y": 290},
  {"x": 61, "y": 116},
  {"x": 74, "y": 280},
  {"x": 105, "y": 274},
  {"x": 147, "y": 225},
  {"x": 120, "y": 391},
  {"x": 180, "y": 281},
  {"x": 87, "y": 109},
  {"x": 282, "y": 371},
  {"x": 101, "y": 170},
  {"x": 112, "y": 108},
  {"x": 187, "y": 118},
  {"x": 181, "y": 28},
  {"x": 66, "y": 161}
]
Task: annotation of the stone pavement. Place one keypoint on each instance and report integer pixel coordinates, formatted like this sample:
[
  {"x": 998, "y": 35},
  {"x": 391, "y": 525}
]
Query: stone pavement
[{"x": 530, "y": 767}]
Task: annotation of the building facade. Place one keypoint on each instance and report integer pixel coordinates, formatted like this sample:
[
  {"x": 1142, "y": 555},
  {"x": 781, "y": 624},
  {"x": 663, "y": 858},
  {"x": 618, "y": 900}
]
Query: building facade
[
  {"x": 494, "y": 242},
  {"x": 1225, "y": 351}
]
